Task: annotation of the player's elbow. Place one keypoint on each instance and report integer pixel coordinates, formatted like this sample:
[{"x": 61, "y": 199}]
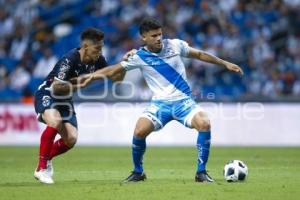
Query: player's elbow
[
  {"x": 61, "y": 89},
  {"x": 58, "y": 91}
]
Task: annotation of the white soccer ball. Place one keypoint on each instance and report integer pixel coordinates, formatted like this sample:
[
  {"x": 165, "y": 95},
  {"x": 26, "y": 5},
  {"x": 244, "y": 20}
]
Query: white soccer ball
[{"x": 235, "y": 170}]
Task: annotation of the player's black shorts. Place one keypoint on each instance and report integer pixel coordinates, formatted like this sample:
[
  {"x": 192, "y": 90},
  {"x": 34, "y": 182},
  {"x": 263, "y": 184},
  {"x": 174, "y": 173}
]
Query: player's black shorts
[{"x": 43, "y": 101}]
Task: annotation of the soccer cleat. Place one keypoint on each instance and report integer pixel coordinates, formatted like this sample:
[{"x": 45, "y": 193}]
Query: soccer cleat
[
  {"x": 43, "y": 176},
  {"x": 50, "y": 168},
  {"x": 135, "y": 177},
  {"x": 203, "y": 177}
]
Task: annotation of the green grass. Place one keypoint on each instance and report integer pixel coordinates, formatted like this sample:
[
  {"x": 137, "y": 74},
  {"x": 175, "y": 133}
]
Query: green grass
[{"x": 96, "y": 173}]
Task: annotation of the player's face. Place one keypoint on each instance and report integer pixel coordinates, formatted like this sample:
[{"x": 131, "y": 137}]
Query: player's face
[
  {"x": 153, "y": 40},
  {"x": 93, "y": 51}
]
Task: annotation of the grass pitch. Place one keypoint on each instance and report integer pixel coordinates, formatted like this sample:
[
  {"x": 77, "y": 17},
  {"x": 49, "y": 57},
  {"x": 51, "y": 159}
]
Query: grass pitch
[{"x": 96, "y": 173}]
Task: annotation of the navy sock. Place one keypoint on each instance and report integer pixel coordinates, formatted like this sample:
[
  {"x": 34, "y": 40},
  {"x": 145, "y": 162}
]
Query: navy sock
[
  {"x": 203, "y": 145},
  {"x": 138, "y": 150}
]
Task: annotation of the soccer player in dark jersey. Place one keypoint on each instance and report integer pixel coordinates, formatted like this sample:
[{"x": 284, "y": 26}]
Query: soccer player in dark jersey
[{"x": 53, "y": 99}]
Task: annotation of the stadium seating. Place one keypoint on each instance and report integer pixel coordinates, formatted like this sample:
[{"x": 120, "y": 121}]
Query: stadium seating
[{"x": 263, "y": 37}]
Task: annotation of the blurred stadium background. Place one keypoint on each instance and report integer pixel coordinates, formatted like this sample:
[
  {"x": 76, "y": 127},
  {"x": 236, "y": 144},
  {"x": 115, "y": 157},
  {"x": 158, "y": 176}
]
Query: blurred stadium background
[{"x": 262, "y": 36}]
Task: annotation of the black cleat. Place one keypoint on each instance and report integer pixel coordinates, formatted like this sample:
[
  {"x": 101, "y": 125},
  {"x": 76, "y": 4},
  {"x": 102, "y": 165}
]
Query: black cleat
[
  {"x": 135, "y": 177},
  {"x": 203, "y": 177}
]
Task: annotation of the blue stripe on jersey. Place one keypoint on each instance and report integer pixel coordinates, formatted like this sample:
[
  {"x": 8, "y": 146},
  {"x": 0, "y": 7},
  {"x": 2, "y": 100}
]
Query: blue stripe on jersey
[{"x": 165, "y": 70}]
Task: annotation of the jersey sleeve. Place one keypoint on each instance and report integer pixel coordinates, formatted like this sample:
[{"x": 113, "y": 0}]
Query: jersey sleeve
[
  {"x": 133, "y": 62},
  {"x": 182, "y": 46},
  {"x": 63, "y": 69}
]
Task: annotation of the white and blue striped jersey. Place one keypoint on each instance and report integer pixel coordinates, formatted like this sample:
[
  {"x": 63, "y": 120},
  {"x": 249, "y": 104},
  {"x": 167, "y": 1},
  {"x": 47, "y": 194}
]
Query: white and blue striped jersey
[{"x": 164, "y": 72}]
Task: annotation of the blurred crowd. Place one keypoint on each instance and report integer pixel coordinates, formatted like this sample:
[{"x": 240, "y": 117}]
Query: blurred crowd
[{"x": 262, "y": 36}]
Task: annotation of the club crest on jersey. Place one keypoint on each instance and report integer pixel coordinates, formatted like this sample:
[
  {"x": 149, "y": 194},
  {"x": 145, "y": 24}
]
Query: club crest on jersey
[
  {"x": 169, "y": 52},
  {"x": 46, "y": 101},
  {"x": 61, "y": 75}
]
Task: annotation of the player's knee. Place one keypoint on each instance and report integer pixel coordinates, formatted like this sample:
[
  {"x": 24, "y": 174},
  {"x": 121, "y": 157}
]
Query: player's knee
[
  {"x": 71, "y": 141},
  {"x": 140, "y": 132},
  {"x": 204, "y": 125},
  {"x": 202, "y": 122},
  {"x": 57, "y": 124}
]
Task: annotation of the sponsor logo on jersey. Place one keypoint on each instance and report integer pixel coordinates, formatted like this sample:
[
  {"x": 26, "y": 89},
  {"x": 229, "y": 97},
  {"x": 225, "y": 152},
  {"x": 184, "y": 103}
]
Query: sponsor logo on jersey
[
  {"x": 169, "y": 52},
  {"x": 61, "y": 75},
  {"x": 64, "y": 67},
  {"x": 153, "y": 61}
]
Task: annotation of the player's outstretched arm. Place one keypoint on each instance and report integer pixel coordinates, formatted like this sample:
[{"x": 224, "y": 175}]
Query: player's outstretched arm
[
  {"x": 206, "y": 57},
  {"x": 118, "y": 77},
  {"x": 114, "y": 72},
  {"x": 108, "y": 72},
  {"x": 62, "y": 88}
]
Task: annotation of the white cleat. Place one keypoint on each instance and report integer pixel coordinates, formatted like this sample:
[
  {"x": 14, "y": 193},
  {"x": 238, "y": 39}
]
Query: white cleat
[
  {"x": 43, "y": 176},
  {"x": 50, "y": 168}
]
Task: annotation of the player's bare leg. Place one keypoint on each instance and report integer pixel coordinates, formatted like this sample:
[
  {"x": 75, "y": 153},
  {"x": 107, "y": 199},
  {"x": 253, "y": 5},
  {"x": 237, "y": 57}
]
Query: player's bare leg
[
  {"x": 68, "y": 139},
  {"x": 142, "y": 129},
  {"x": 202, "y": 124},
  {"x": 54, "y": 122}
]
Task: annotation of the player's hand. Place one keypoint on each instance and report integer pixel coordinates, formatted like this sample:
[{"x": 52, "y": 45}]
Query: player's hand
[
  {"x": 80, "y": 79},
  {"x": 234, "y": 67},
  {"x": 85, "y": 80},
  {"x": 128, "y": 54}
]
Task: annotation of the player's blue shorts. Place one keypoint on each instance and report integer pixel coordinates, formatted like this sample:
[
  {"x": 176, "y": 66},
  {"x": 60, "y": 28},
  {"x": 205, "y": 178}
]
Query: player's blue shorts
[
  {"x": 43, "y": 101},
  {"x": 161, "y": 112}
]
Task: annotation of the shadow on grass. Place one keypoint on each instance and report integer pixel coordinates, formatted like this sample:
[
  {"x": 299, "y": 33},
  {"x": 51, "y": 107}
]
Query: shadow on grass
[
  {"x": 60, "y": 183},
  {"x": 108, "y": 182}
]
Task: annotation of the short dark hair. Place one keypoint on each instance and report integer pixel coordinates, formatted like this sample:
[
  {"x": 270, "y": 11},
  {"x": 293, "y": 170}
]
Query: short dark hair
[
  {"x": 148, "y": 24},
  {"x": 92, "y": 34}
]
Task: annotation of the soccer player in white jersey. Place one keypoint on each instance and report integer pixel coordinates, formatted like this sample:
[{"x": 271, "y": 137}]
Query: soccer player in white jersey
[{"x": 160, "y": 61}]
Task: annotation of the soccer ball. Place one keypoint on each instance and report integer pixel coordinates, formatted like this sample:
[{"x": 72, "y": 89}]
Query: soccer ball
[{"x": 235, "y": 170}]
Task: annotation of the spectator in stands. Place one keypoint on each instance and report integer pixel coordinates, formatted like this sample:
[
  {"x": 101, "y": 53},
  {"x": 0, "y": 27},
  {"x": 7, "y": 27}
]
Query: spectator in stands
[
  {"x": 19, "y": 78},
  {"x": 45, "y": 64},
  {"x": 261, "y": 36},
  {"x": 3, "y": 77}
]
